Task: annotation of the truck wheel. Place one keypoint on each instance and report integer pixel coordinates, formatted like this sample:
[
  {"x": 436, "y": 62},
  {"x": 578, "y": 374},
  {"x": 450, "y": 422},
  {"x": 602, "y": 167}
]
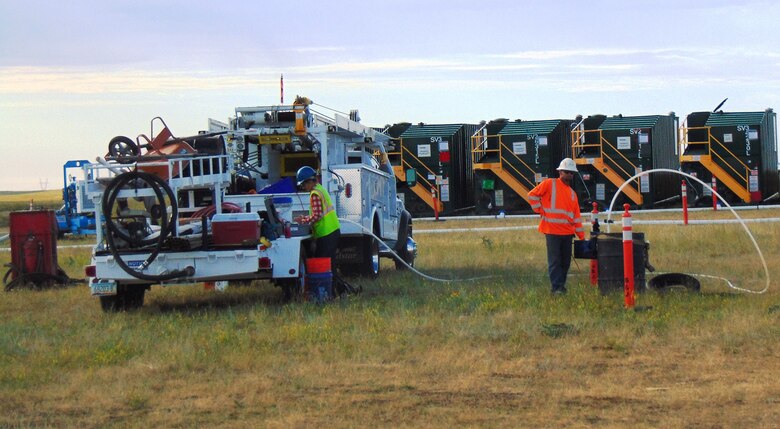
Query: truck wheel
[
  {"x": 370, "y": 264},
  {"x": 128, "y": 297},
  {"x": 407, "y": 255},
  {"x": 402, "y": 248}
]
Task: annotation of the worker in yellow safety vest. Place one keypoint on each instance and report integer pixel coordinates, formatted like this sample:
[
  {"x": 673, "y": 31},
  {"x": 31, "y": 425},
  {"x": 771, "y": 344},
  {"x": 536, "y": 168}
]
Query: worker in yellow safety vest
[
  {"x": 322, "y": 215},
  {"x": 556, "y": 202}
]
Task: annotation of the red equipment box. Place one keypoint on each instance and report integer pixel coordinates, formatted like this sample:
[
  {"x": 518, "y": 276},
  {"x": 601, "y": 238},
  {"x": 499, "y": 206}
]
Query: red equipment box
[
  {"x": 34, "y": 242},
  {"x": 235, "y": 229}
]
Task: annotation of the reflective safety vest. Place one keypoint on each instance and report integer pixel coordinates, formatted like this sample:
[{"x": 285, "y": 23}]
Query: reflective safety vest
[
  {"x": 329, "y": 221},
  {"x": 558, "y": 205}
]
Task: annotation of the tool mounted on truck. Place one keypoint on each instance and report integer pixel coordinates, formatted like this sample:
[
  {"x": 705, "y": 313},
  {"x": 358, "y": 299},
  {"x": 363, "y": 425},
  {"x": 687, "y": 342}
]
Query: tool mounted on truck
[{"x": 219, "y": 206}]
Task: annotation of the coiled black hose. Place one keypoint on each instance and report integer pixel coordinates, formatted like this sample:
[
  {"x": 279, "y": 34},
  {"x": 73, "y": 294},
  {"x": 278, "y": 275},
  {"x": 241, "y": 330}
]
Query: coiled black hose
[{"x": 161, "y": 189}]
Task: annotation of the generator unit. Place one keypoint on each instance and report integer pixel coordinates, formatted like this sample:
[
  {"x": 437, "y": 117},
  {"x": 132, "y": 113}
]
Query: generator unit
[
  {"x": 433, "y": 167},
  {"x": 737, "y": 149},
  {"x": 511, "y": 157},
  {"x": 610, "y": 150}
]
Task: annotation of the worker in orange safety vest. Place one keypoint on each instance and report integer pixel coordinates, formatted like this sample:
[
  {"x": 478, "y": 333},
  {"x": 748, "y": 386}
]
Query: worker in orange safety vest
[{"x": 556, "y": 202}]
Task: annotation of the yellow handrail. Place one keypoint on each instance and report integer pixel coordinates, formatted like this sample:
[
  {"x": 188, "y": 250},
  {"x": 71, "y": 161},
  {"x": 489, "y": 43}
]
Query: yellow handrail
[
  {"x": 501, "y": 157},
  {"x": 746, "y": 178},
  {"x": 478, "y": 149},
  {"x": 629, "y": 174},
  {"x": 710, "y": 138},
  {"x": 407, "y": 164},
  {"x": 578, "y": 134}
]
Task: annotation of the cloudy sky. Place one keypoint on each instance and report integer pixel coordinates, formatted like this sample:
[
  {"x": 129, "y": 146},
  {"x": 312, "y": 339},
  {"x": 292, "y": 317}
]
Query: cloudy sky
[{"x": 74, "y": 74}]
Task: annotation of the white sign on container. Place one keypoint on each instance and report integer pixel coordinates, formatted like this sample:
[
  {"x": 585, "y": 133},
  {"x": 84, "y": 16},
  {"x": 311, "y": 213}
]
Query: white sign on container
[
  {"x": 445, "y": 193},
  {"x": 624, "y": 143},
  {"x": 644, "y": 181},
  {"x": 728, "y": 138},
  {"x": 424, "y": 151},
  {"x": 542, "y": 140},
  {"x": 753, "y": 181},
  {"x": 499, "y": 198},
  {"x": 600, "y": 192},
  {"x": 519, "y": 148}
]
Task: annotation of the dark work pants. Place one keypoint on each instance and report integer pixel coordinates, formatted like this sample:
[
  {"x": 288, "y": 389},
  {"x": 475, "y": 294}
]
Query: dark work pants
[
  {"x": 325, "y": 247},
  {"x": 558, "y": 260}
]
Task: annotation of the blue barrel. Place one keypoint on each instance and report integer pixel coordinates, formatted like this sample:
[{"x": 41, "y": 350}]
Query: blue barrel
[{"x": 319, "y": 287}]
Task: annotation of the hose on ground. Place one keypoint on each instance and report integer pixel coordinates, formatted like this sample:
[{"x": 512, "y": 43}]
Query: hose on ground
[
  {"x": 414, "y": 270},
  {"x": 741, "y": 221}
]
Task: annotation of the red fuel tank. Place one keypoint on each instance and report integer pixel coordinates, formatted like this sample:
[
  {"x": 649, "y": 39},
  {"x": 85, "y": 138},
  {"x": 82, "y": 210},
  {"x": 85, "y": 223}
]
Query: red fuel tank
[{"x": 34, "y": 242}]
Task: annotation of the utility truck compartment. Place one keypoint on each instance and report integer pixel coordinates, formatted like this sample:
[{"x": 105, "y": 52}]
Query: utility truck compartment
[{"x": 235, "y": 229}]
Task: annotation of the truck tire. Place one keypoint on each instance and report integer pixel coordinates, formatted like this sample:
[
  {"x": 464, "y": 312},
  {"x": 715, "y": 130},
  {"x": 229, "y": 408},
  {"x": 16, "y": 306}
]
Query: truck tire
[
  {"x": 128, "y": 297},
  {"x": 406, "y": 255},
  {"x": 401, "y": 248},
  {"x": 369, "y": 266}
]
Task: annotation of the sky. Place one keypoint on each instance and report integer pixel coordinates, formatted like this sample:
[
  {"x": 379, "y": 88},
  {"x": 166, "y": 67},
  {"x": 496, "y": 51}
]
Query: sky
[{"x": 74, "y": 74}]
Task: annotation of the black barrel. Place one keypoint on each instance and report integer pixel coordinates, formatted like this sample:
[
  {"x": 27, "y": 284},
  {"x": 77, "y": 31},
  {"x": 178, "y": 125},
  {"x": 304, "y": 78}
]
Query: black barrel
[{"x": 609, "y": 248}]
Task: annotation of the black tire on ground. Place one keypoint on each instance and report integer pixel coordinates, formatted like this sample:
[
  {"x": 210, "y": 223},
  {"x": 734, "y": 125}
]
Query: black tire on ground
[
  {"x": 401, "y": 248},
  {"x": 128, "y": 297},
  {"x": 369, "y": 266},
  {"x": 407, "y": 256}
]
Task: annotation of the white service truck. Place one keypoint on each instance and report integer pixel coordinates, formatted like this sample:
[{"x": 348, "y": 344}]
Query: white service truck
[{"x": 219, "y": 206}]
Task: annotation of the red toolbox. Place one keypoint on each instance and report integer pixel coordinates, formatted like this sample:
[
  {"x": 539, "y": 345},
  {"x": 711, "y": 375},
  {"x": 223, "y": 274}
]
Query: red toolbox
[{"x": 235, "y": 229}]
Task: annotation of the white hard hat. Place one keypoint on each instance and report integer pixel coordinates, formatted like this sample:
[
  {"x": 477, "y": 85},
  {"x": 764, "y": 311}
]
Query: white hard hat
[{"x": 567, "y": 164}]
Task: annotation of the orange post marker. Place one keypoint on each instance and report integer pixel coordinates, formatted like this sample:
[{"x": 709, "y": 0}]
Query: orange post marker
[
  {"x": 628, "y": 259},
  {"x": 435, "y": 203},
  {"x": 685, "y": 202},
  {"x": 594, "y": 264},
  {"x": 714, "y": 197}
]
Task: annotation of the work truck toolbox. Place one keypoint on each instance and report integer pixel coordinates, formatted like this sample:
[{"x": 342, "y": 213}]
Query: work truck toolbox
[{"x": 235, "y": 229}]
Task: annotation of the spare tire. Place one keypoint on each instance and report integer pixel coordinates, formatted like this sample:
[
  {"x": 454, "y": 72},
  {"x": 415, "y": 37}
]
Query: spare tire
[
  {"x": 674, "y": 281},
  {"x": 123, "y": 149}
]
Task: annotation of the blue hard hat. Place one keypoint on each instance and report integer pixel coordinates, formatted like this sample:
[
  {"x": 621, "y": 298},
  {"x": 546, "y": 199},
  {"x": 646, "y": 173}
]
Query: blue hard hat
[{"x": 305, "y": 173}]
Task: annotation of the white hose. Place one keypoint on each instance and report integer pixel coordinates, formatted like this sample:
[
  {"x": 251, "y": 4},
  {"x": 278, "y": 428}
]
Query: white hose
[
  {"x": 741, "y": 221},
  {"x": 419, "y": 273}
]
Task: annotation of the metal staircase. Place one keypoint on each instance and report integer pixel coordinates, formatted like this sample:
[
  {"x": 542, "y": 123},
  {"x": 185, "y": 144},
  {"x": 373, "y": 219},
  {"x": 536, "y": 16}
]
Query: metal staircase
[
  {"x": 607, "y": 165},
  {"x": 498, "y": 161},
  {"x": 423, "y": 187},
  {"x": 735, "y": 174}
]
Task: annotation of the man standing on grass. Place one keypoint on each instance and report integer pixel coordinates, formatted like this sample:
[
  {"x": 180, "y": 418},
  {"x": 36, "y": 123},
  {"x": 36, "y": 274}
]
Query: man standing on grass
[{"x": 556, "y": 202}]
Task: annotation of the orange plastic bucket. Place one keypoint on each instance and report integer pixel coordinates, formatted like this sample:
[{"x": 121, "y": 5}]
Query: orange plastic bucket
[{"x": 318, "y": 265}]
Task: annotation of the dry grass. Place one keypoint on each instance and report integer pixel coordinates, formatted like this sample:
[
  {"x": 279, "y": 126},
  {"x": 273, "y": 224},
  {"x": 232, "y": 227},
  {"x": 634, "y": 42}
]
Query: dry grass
[
  {"x": 495, "y": 352},
  {"x": 37, "y": 197},
  {"x": 12, "y": 201}
]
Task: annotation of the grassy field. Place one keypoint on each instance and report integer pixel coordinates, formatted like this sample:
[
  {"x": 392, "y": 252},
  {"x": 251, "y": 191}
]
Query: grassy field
[
  {"x": 493, "y": 352},
  {"x": 11, "y": 201}
]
